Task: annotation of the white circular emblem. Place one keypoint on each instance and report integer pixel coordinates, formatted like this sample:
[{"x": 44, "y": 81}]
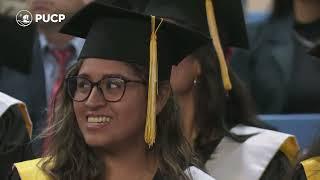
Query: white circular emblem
[{"x": 24, "y": 18}]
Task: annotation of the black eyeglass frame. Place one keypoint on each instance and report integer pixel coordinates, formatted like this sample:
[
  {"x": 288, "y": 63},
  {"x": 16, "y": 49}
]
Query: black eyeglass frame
[{"x": 98, "y": 84}]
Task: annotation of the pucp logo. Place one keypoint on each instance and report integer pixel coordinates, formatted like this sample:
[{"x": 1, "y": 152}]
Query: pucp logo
[
  {"x": 50, "y": 18},
  {"x": 24, "y": 18}
]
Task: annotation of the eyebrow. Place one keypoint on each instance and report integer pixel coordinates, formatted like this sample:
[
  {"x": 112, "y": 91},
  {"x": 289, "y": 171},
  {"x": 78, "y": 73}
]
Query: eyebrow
[{"x": 85, "y": 75}]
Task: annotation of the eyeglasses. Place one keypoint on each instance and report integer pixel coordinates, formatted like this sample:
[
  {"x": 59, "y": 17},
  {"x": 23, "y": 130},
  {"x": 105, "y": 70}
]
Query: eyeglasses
[{"x": 112, "y": 88}]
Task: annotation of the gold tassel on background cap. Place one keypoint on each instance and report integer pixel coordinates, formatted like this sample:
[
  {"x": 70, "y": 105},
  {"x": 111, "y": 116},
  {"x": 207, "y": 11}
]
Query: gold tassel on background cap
[
  {"x": 150, "y": 129},
  {"x": 217, "y": 45}
]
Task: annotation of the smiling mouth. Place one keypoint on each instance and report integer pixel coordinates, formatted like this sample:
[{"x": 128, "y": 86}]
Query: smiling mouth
[{"x": 99, "y": 119}]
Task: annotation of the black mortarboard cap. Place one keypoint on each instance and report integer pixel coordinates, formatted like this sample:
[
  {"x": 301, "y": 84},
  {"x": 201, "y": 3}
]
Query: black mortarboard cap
[
  {"x": 228, "y": 13},
  {"x": 116, "y": 33},
  {"x": 136, "y": 5},
  {"x": 222, "y": 20}
]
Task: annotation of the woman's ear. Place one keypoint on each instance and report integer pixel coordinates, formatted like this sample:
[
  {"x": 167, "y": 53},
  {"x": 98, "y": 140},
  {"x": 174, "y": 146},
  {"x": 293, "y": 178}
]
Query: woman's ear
[{"x": 164, "y": 93}]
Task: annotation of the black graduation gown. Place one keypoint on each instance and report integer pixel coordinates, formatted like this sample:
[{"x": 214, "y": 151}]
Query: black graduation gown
[
  {"x": 299, "y": 174},
  {"x": 14, "y": 140}
]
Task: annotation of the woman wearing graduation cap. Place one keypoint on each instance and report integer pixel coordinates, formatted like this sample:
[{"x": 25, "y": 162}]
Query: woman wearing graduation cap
[
  {"x": 214, "y": 105},
  {"x": 117, "y": 118}
]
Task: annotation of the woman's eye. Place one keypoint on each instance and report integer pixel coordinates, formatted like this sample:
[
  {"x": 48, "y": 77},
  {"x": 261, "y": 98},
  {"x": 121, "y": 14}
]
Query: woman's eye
[
  {"x": 114, "y": 84},
  {"x": 83, "y": 85}
]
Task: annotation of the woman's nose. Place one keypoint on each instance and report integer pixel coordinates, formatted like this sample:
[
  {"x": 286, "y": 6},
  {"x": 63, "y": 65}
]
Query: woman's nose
[{"x": 96, "y": 98}]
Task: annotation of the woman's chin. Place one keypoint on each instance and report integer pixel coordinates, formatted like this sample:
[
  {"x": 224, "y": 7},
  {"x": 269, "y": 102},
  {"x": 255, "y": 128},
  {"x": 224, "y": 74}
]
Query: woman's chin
[{"x": 96, "y": 142}]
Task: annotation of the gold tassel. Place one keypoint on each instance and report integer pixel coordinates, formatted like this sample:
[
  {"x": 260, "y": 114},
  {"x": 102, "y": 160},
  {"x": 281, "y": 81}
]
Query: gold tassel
[
  {"x": 217, "y": 45},
  {"x": 150, "y": 129}
]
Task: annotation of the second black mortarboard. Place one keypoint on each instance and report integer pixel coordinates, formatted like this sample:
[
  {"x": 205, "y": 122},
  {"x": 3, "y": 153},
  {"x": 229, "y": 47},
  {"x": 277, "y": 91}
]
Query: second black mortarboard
[{"x": 222, "y": 20}]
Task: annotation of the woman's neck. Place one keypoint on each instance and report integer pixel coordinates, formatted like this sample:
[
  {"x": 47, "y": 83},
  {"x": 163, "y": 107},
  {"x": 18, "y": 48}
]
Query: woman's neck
[
  {"x": 306, "y": 11},
  {"x": 186, "y": 104},
  {"x": 131, "y": 163}
]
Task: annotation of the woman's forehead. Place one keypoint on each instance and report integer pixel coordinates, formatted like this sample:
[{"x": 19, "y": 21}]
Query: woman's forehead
[{"x": 100, "y": 67}]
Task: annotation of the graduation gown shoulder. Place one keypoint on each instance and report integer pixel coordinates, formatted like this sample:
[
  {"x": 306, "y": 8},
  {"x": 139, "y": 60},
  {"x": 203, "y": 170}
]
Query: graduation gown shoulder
[
  {"x": 197, "y": 174},
  {"x": 264, "y": 154},
  {"x": 15, "y": 133}
]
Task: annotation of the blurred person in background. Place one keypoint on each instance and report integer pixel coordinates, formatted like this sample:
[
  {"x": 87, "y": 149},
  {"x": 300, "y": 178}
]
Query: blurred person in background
[
  {"x": 50, "y": 54},
  {"x": 15, "y": 133},
  {"x": 57, "y": 51},
  {"x": 281, "y": 75},
  {"x": 216, "y": 116},
  {"x": 224, "y": 130},
  {"x": 308, "y": 168},
  {"x": 15, "y": 57},
  {"x": 14, "y": 39}
]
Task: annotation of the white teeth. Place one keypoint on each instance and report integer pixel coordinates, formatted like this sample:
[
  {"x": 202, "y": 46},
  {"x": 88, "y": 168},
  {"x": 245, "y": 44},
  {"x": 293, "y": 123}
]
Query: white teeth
[{"x": 100, "y": 119}]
